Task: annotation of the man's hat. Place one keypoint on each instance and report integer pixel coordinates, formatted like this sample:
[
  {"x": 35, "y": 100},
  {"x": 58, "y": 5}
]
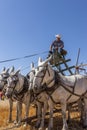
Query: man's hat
[{"x": 57, "y": 36}]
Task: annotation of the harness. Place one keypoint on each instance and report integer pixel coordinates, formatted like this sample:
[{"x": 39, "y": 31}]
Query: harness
[
  {"x": 44, "y": 87},
  {"x": 59, "y": 82},
  {"x": 18, "y": 95},
  {"x": 4, "y": 88}
]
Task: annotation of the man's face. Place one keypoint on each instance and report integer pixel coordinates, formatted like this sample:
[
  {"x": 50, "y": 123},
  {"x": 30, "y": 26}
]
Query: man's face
[{"x": 58, "y": 38}]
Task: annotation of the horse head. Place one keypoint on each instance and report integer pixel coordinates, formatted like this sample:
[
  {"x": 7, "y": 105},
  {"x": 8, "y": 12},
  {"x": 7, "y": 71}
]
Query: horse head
[
  {"x": 14, "y": 83},
  {"x": 43, "y": 76},
  {"x": 3, "y": 79},
  {"x": 30, "y": 76}
]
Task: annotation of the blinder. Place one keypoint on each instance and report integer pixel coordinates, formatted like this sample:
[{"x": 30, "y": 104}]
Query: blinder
[
  {"x": 14, "y": 79},
  {"x": 43, "y": 87}
]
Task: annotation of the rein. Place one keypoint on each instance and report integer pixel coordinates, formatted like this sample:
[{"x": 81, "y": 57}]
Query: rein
[
  {"x": 72, "y": 92},
  {"x": 57, "y": 84},
  {"x": 73, "y": 87},
  {"x": 23, "y": 91},
  {"x": 42, "y": 77}
]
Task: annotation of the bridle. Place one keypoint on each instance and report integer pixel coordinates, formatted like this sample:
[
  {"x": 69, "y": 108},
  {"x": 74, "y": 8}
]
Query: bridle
[
  {"x": 43, "y": 74},
  {"x": 42, "y": 85},
  {"x": 4, "y": 80},
  {"x": 13, "y": 82}
]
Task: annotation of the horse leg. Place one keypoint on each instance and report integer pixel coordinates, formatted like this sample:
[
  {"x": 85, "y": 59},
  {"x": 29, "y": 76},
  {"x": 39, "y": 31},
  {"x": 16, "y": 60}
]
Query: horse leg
[
  {"x": 15, "y": 122},
  {"x": 63, "y": 106},
  {"x": 68, "y": 108},
  {"x": 85, "y": 114},
  {"x": 19, "y": 111},
  {"x": 27, "y": 107},
  {"x": 44, "y": 109},
  {"x": 51, "y": 106},
  {"x": 10, "y": 110},
  {"x": 81, "y": 108},
  {"x": 39, "y": 113}
]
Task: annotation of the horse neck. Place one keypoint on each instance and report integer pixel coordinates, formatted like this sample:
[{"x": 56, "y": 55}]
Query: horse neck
[
  {"x": 49, "y": 77},
  {"x": 4, "y": 88},
  {"x": 20, "y": 83},
  {"x": 31, "y": 76},
  {"x": 1, "y": 85}
]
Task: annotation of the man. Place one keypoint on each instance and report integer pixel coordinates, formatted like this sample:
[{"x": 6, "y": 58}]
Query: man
[
  {"x": 57, "y": 49},
  {"x": 57, "y": 44}
]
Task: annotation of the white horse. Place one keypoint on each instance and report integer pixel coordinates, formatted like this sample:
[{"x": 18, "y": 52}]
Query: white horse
[
  {"x": 40, "y": 99},
  {"x": 3, "y": 84},
  {"x": 65, "y": 89},
  {"x": 17, "y": 88}
]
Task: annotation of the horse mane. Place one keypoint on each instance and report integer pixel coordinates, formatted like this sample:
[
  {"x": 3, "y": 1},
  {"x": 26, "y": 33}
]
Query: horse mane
[{"x": 62, "y": 80}]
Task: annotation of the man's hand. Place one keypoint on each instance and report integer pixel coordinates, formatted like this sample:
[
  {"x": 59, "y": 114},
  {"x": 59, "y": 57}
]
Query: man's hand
[{"x": 50, "y": 52}]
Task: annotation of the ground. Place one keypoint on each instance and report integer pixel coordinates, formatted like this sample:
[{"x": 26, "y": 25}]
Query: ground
[{"x": 4, "y": 125}]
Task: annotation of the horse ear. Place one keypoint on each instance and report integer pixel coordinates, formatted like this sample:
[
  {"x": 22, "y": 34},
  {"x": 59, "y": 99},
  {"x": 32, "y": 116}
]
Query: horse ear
[
  {"x": 7, "y": 70},
  {"x": 46, "y": 61},
  {"x": 39, "y": 61},
  {"x": 32, "y": 66},
  {"x": 37, "y": 68},
  {"x": 12, "y": 69},
  {"x": 17, "y": 72},
  {"x": 3, "y": 69}
]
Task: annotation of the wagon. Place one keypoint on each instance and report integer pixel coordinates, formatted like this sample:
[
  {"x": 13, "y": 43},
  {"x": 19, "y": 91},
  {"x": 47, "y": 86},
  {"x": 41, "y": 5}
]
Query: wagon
[{"x": 60, "y": 63}]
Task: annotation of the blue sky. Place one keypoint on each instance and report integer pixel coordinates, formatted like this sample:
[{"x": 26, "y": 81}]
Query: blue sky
[{"x": 29, "y": 26}]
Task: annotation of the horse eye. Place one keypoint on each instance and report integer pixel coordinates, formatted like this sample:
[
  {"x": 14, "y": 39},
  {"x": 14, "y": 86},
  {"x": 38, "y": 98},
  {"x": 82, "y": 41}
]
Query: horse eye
[
  {"x": 14, "y": 78},
  {"x": 34, "y": 72},
  {"x": 28, "y": 76},
  {"x": 41, "y": 71}
]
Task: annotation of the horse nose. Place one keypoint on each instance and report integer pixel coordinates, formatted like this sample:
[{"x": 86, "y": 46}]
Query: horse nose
[
  {"x": 35, "y": 87},
  {"x": 7, "y": 95}
]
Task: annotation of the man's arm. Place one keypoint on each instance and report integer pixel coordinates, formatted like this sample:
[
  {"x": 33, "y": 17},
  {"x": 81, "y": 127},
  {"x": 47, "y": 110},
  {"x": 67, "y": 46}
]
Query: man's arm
[
  {"x": 62, "y": 44},
  {"x": 51, "y": 46}
]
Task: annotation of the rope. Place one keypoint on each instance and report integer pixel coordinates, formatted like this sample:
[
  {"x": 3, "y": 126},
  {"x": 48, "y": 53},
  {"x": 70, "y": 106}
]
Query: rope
[{"x": 19, "y": 58}]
